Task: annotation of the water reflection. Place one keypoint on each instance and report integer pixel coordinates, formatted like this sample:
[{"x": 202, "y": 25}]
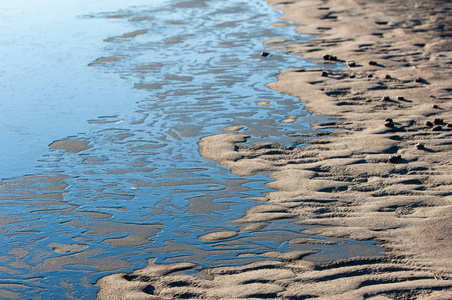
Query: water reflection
[{"x": 138, "y": 188}]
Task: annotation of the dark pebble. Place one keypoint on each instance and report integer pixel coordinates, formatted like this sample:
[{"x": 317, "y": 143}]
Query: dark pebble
[
  {"x": 419, "y": 146},
  {"x": 438, "y": 121},
  {"x": 429, "y": 124},
  {"x": 385, "y": 98},
  {"x": 394, "y": 158},
  {"x": 324, "y": 74},
  {"x": 265, "y": 54},
  {"x": 389, "y": 120},
  {"x": 437, "y": 128},
  {"x": 352, "y": 76},
  {"x": 400, "y": 98},
  {"x": 435, "y": 106},
  {"x": 351, "y": 63},
  {"x": 388, "y": 76},
  {"x": 372, "y": 63},
  {"x": 389, "y": 124},
  {"x": 329, "y": 57},
  {"x": 370, "y": 76},
  {"x": 419, "y": 79},
  {"x": 449, "y": 125}
]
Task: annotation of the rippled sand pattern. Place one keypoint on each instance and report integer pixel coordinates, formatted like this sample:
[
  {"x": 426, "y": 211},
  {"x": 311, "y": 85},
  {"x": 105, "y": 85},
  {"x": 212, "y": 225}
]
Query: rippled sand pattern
[{"x": 135, "y": 186}]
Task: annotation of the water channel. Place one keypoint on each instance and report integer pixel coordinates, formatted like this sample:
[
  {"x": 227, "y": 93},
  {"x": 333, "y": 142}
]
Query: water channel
[{"x": 140, "y": 84}]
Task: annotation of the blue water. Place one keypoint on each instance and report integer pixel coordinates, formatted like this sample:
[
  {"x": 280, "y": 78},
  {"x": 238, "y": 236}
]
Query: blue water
[
  {"x": 47, "y": 89},
  {"x": 142, "y": 190}
]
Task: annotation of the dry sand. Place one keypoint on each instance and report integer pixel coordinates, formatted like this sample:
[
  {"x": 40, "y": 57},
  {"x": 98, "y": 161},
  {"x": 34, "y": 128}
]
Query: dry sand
[{"x": 346, "y": 178}]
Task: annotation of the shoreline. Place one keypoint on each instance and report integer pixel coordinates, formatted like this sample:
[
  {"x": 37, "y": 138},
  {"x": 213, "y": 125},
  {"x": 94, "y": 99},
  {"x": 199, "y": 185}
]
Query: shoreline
[
  {"x": 344, "y": 179},
  {"x": 408, "y": 64}
]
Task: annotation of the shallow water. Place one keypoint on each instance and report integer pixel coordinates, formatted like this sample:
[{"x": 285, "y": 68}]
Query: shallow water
[{"x": 173, "y": 72}]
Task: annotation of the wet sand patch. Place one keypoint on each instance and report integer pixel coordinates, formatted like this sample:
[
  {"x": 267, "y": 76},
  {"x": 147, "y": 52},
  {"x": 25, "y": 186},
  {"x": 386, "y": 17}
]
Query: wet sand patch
[
  {"x": 216, "y": 236},
  {"x": 104, "y": 60},
  {"x": 70, "y": 145},
  {"x": 127, "y": 35},
  {"x": 233, "y": 128},
  {"x": 264, "y": 103},
  {"x": 66, "y": 248}
]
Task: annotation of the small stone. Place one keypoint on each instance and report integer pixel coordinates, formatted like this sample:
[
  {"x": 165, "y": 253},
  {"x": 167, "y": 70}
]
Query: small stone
[
  {"x": 437, "y": 128},
  {"x": 449, "y": 125},
  {"x": 419, "y": 146},
  {"x": 385, "y": 98},
  {"x": 388, "y": 76},
  {"x": 438, "y": 121},
  {"x": 370, "y": 76},
  {"x": 352, "y": 76},
  {"x": 389, "y": 120},
  {"x": 324, "y": 74},
  {"x": 435, "y": 106},
  {"x": 372, "y": 63},
  {"x": 428, "y": 123},
  {"x": 389, "y": 124},
  {"x": 395, "y": 158},
  {"x": 329, "y": 57},
  {"x": 265, "y": 54},
  {"x": 419, "y": 80},
  {"x": 400, "y": 98},
  {"x": 351, "y": 63}
]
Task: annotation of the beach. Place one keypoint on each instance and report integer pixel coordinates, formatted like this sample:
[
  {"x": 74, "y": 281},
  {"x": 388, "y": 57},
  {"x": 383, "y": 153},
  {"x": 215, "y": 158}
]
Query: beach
[{"x": 381, "y": 173}]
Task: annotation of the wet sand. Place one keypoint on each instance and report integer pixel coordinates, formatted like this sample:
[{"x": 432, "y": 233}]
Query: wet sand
[{"x": 382, "y": 174}]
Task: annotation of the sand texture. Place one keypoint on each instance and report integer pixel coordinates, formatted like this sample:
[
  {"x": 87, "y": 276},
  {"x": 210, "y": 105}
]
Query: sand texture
[
  {"x": 70, "y": 145},
  {"x": 383, "y": 174}
]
